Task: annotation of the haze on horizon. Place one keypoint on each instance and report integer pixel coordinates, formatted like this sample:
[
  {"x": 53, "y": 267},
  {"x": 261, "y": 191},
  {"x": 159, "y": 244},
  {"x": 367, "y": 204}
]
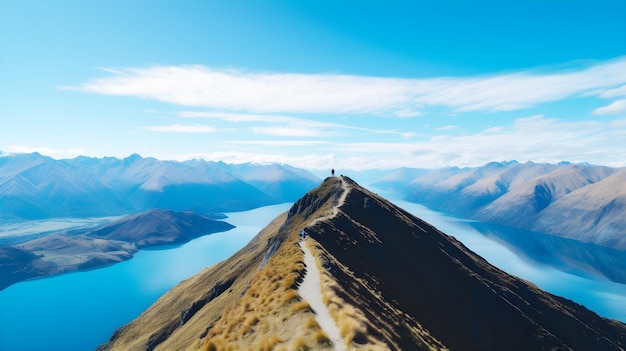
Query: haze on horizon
[{"x": 351, "y": 84}]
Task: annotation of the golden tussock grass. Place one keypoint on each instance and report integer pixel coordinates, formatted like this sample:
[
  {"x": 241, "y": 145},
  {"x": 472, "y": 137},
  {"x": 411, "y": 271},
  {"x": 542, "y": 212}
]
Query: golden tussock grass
[
  {"x": 270, "y": 315},
  {"x": 321, "y": 338},
  {"x": 300, "y": 344},
  {"x": 300, "y": 306}
]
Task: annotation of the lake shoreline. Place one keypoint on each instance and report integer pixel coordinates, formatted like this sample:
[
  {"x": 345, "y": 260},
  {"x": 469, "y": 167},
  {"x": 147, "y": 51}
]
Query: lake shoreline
[{"x": 83, "y": 250}]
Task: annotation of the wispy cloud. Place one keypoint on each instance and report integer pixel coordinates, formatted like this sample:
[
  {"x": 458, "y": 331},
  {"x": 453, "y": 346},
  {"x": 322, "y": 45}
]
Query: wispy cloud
[
  {"x": 616, "y": 107},
  {"x": 281, "y": 143},
  {"x": 238, "y": 90},
  {"x": 552, "y": 141},
  {"x": 288, "y": 126},
  {"x": 611, "y": 93},
  {"x": 287, "y": 131},
  {"x": 180, "y": 128},
  {"x": 448, "y": 127}
]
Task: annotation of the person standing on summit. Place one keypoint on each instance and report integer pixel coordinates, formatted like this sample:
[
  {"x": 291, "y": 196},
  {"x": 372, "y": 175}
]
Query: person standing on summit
[{"x": 332, "y": 172}]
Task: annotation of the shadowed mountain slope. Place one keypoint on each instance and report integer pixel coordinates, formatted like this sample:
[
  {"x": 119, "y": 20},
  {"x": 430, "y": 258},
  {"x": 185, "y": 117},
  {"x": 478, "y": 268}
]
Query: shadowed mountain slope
[
  {"x": 576, "y": 201},
  {"x": 389, "y": 280},
  {"x": 33, "y": 186}
]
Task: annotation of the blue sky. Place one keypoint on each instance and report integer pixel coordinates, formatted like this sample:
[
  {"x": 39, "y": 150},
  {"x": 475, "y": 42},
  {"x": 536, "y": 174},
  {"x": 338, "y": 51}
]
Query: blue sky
[{"x": 316, "y": 84}]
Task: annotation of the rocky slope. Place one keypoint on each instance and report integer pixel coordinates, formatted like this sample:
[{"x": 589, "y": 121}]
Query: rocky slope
[{"x": 389, "y": 281}]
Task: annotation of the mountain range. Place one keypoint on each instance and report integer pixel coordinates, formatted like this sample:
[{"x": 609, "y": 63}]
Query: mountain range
[
  {"x": 577, "y": 201},
  {"x": 33, "y": 186},
  {"x": 346, "y": 269}
]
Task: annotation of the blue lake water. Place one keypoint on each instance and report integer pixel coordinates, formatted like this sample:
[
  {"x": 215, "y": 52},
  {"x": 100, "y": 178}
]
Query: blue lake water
[{"x": 80, "y": 311}]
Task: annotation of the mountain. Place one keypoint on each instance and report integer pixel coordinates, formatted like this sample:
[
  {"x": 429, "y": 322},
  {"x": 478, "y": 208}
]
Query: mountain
[
  {"x": 577, "y": 201},
  {"x": 283, "y": 181},
  {"x": 33, "y": 186},
  {"x": 367, "y": 276},
  {"x": 594, "y": 213},
  {"x": 106, "y": 245}
]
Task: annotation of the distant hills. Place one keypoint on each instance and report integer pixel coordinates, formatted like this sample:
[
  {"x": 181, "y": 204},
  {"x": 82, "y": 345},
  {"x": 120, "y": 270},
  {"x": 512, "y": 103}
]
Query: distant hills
[
  {"x": 388, "y": 280},
  {"x": 102, "y": 246},
  {"x": 33, "y": 186},
  {"x": 577, "y": 201}
]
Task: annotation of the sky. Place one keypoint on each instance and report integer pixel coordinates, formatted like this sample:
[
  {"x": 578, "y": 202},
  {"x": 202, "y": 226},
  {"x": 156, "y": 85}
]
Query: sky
[{"x": 316, "y": 84}]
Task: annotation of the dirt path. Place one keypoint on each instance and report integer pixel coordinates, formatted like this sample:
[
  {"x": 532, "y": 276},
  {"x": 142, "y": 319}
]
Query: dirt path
[
  {"x": 311, "y": 291},
  {"x": 311, "y": 287},
  {"x": 337, "y": 203}
]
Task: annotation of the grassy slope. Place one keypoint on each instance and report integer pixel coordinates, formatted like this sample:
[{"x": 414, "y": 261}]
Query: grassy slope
[{"x": 206, "y": 296}]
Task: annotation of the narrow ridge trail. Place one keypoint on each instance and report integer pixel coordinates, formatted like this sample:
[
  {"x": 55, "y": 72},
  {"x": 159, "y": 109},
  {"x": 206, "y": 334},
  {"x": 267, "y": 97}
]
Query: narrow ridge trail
[
  {"x": 311, "y": 287},
  {"x": 311, "y": 291},
  {"x": 337, "y": 202}
]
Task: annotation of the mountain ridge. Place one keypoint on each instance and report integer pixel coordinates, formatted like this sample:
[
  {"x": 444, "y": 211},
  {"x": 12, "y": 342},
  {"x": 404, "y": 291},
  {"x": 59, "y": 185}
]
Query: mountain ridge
[
  {"x": 33, "y": 186},
  {"x": 388, "y": 279}
]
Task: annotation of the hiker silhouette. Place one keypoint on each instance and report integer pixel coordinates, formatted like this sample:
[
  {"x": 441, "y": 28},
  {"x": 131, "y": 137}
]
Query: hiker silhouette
[{"x": 332, "y": 172}]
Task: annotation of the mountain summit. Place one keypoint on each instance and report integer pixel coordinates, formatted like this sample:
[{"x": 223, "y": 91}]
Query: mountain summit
[{"x": 346, "y": 269}]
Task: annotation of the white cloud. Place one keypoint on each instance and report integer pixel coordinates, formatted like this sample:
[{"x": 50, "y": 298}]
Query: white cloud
[
  {"x": 242, "y": 117},
  {"x": 616, "y": 107},
  {"x": 288, "y": 126},
  {"x": 448, "y": 127},
  {"x": 534, "y": 138},
  {"x": 280, "y": 143},
  {"x": 287, "y": 131},
  {"x": 611, "y": 93},
  {"x": 241, "y": 91},
  {"x": 179, "y": 128}
]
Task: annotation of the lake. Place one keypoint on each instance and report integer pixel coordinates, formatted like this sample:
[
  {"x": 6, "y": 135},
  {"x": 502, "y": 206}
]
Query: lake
[{"x": 80, "y": 311}]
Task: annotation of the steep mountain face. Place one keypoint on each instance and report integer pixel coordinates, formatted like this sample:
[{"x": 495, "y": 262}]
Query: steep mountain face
[
  {"x": 577, "y": 201},
  {"x": 594, "y": 213},
  {"x": 33, "y": 186},
  {"x": 387, "y": 279}
]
